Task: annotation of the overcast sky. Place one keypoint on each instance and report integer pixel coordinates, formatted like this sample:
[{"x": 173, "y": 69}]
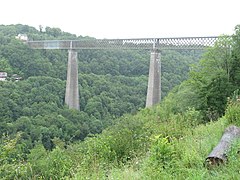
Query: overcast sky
[{"x": 126, "y": 18}]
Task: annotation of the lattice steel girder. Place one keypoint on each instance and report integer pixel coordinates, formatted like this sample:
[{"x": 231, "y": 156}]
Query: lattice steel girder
[{"x": 144, "y": 43}]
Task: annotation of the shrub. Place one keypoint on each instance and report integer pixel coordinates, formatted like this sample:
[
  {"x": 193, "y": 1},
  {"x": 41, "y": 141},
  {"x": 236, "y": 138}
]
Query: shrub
[
  {"x": 50, "y": 165},
  {"x": 233, "y": 109}
]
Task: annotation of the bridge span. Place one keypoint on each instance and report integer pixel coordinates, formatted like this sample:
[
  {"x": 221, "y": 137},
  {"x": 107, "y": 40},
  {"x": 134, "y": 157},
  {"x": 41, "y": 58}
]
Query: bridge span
[
  {"x": 155, "y": 45},
  {"x": 143, "y": 43}
]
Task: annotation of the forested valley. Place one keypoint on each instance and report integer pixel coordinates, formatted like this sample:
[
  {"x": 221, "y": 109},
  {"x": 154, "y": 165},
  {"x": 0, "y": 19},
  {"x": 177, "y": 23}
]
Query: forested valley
[{"x": 114, "y": 136}]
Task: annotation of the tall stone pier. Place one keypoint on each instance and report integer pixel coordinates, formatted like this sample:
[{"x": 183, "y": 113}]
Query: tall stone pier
[
  {"x": 154, "y": 79},
  {"x": 72, "y": 93}
]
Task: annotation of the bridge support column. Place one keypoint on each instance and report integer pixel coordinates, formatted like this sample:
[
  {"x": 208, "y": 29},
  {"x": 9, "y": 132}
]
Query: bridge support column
[
  {"x": 72, "y": 93},
  {"x": 154, "y": 79}
]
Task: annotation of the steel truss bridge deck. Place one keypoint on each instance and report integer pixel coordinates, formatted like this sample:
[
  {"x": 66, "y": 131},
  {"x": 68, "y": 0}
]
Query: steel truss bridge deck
[{"x": 143, "y": 43}]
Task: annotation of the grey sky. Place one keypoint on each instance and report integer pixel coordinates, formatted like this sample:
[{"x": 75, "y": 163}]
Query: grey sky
[{"x": 126, "y": 18}]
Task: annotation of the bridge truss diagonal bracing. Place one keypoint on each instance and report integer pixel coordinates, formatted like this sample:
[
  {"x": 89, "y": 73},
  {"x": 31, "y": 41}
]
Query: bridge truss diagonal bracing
[{"x": 142, "y": 43}]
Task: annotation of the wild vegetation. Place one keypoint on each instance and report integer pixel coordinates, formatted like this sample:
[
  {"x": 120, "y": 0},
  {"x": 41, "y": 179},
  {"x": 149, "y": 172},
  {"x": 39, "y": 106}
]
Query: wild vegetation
[
  {"x": 111, "y": 83},
  {"x": 43, "y": 139}
]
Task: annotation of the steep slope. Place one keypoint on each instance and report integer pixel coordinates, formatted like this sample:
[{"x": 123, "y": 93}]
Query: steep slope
[{"x": 111, "y": 84}]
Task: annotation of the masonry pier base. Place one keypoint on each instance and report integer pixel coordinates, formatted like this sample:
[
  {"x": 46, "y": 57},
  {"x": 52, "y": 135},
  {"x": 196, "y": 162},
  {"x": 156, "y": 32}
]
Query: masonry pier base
[
  {"x": 154, "y": 79},
  {"x": 72, "y": 93}
]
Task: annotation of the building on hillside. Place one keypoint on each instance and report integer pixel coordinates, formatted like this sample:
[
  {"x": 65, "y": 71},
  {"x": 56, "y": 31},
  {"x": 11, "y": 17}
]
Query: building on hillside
[
  {"x": 3, "y": 76},
  {"x": 16, "y": 77},
  {"x": 22, "y": 37}
]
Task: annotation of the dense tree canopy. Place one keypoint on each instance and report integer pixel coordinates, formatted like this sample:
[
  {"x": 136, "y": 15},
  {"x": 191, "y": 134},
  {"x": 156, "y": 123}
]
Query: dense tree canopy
[
  {"x": 111, "y": 84},
  {"x": 42, "y": 138}
]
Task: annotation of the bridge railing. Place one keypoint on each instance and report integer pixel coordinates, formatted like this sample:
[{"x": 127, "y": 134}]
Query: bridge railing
[{"x": 144, "y": 43}]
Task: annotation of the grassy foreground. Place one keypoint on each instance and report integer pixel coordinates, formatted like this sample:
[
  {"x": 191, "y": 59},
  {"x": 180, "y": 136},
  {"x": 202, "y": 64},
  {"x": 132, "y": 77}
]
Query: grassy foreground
[
  {"x": 176, "y": 148},
  {"x": 153, "y": 144}
]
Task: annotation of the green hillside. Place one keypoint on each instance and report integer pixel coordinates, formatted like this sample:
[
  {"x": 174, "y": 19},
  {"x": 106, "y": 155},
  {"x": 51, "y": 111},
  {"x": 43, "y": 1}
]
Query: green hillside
[
  {"x": 42, "y": 139},
  {"x": 154, "y": 144},
  {"x": 111, "y": 83}
]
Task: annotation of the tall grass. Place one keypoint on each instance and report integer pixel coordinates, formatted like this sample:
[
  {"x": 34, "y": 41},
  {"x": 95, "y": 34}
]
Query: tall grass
[{"x": 152, "y": 144}]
